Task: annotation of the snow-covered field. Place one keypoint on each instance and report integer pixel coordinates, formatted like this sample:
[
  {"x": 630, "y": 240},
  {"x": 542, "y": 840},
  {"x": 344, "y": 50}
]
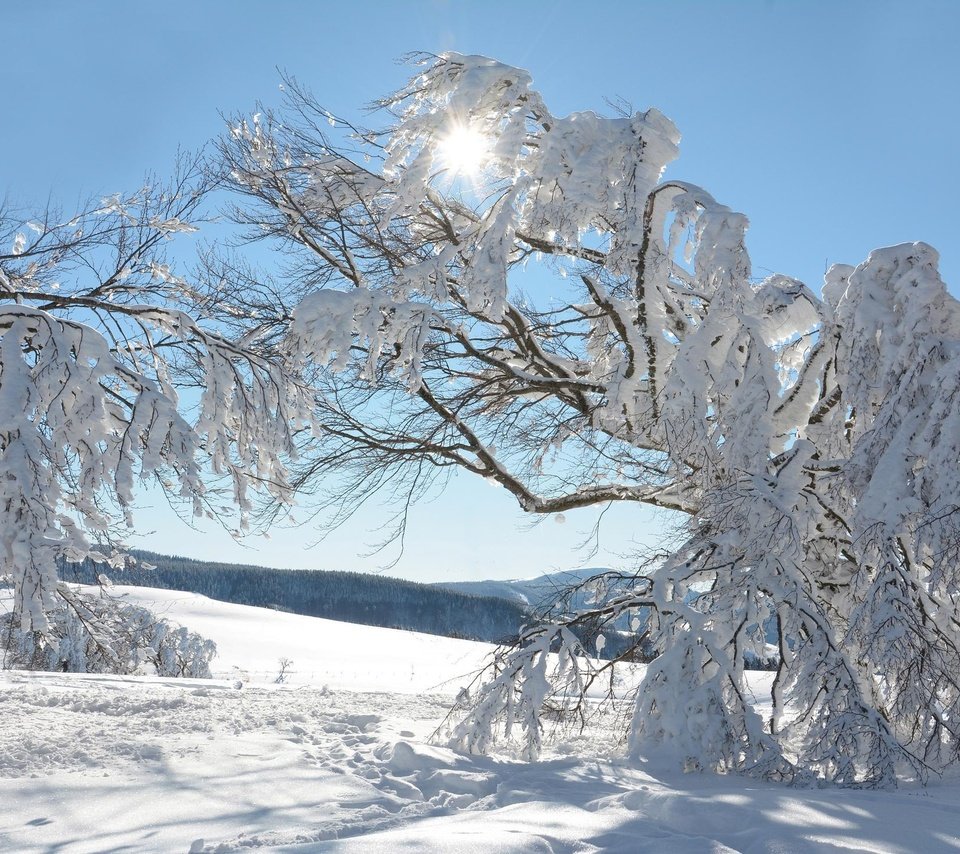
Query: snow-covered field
[{"x": 337, "y": 758}]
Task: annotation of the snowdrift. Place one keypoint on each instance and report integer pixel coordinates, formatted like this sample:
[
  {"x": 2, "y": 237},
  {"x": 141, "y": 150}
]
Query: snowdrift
[{"x": 338, "y": 759}]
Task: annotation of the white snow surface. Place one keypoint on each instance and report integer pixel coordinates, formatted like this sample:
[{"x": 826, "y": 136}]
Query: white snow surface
[{"x": 337, "y": 758}]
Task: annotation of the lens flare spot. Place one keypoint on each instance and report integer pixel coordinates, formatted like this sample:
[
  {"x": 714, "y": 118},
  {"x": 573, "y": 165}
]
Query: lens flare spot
[{"x": 463, "y": 151}]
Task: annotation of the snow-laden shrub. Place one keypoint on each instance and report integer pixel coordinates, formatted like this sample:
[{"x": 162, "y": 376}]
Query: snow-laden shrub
[{"x": 99, "y": 634}]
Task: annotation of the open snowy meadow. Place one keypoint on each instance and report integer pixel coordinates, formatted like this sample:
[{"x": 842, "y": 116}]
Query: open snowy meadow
[{"x": 338, "y": 757}]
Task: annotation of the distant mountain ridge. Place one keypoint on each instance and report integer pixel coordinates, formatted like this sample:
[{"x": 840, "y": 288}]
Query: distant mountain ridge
[
  {"x": 533, "y": 593},
  {"x": 489, "y": 610}
]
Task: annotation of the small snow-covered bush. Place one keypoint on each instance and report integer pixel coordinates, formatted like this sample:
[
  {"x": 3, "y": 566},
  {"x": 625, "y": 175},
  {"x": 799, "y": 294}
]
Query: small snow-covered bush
[{"x": 99, "y": 634}]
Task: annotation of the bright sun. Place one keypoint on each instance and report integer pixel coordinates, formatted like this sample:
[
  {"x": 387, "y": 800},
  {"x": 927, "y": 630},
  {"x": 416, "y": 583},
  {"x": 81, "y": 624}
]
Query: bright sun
[{"x": 463, "y": 151}]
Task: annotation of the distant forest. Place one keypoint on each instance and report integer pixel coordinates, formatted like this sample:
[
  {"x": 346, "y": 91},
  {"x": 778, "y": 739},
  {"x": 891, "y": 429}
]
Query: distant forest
[{"x": 353, "y": 597}]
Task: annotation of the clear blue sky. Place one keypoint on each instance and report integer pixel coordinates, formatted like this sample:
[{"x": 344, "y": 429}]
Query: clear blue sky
[{"x": 833, "y": 126}]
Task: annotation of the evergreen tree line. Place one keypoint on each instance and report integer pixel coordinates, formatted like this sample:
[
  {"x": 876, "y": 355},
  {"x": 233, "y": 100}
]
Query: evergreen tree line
[{"x": 353, "y": 597}]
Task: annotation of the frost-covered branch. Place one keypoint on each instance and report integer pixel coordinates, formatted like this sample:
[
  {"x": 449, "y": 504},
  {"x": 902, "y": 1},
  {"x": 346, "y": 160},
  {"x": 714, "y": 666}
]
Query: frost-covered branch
[{"x": 110, "y": 377}]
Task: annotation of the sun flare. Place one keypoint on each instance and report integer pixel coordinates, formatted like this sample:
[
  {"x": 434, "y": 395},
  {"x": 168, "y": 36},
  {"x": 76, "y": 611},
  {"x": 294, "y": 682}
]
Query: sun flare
[{"x": 463, "y": 151}]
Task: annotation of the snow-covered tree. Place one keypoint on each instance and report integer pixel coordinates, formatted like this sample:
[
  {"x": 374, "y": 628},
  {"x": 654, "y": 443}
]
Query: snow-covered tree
[
  {"x": 487, "y": 286},
  {"x": 109, "y": 377},
  {"x": 100, "y": 633}
]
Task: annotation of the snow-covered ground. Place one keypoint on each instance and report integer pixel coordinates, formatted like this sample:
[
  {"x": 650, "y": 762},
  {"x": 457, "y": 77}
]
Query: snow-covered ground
[{"x": 337, "y": 759}]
